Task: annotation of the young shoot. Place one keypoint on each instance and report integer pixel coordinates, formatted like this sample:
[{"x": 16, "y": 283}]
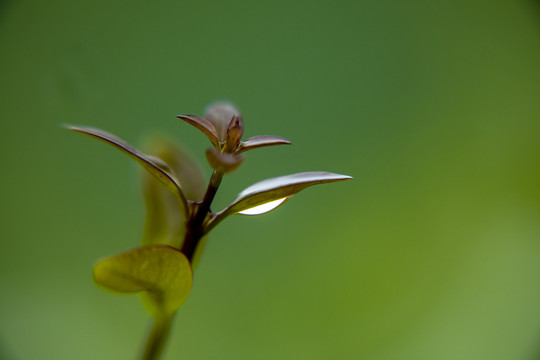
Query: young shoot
[{"x": 179, "y": 212}]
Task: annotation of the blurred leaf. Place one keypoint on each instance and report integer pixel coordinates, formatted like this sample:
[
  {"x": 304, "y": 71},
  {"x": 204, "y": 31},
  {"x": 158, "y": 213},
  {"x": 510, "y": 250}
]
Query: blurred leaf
[
  {"x": 156, "y": 167},
  {"x": 202, "y": 124},
  {"x": 164, "y": 218},
  {"x": 274, "y": 189},
  {"x": 223, "y": 162},
  {"x": 220, "y": 115},
  {"x": 163, "y": 272},
  {"x": 198, "y": 252},
  {"x": 165, "y": 223},
  {"x": 262, "y": 140},
  {"x": 187, "y": 170}
]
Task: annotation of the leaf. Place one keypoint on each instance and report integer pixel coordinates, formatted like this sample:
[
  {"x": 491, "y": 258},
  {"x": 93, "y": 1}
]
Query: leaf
[
  {"x": 262, "y": 140},
  {"x": 223, "y": 162},
  {"x": 234, "y": 134},
  {"x": 278, "y": 188},
  {"x": 165, "y": 220},
  {"x": 156, "y": 167},
  {"x": 161, "y": 271},
  {"x": 264, "y": 208},
  {"x": 204, "y": 125},
  {"x": 220, "y": 115}
]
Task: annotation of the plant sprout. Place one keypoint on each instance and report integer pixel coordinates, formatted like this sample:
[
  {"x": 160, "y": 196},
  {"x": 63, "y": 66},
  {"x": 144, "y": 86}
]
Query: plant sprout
[{"x": 179, "y": 214}]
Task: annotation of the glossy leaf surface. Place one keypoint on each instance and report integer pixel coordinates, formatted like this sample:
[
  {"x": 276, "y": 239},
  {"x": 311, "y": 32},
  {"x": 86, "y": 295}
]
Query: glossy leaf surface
[
  {"x": 261, "y": 141},
  {"x": 155, "y": 166},
  {"x": 161, "y": 271},
  {"x": 277, "y": 188},
  {"x": 264, "y": 208},
  {"x": 204, "y": 125}
]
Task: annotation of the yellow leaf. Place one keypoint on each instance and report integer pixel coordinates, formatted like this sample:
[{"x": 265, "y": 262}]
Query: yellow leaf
[{"x": 163, "y": 273}]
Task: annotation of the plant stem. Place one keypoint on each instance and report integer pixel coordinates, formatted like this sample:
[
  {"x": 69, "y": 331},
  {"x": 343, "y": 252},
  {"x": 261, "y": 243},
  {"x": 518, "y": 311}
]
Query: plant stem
[
  {"x": 157, "y": 337},
  {"x": 195, "y": 229}
]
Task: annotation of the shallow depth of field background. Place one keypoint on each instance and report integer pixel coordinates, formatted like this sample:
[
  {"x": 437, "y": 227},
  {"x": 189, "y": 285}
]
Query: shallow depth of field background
[{"x": 432, "y": 252}]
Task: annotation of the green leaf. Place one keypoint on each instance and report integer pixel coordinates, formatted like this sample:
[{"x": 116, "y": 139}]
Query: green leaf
[
  {"x": 165, "y": 222},
  {"x": 262, "y": 140},
  {"x": 162, "y": 272},
  {"x": 155, "y": 166},
  {"x": 275, "y": 189}
]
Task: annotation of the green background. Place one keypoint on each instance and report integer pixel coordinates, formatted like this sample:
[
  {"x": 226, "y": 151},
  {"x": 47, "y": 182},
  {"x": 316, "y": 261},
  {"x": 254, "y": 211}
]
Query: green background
[{"x": 432, "y": 252}]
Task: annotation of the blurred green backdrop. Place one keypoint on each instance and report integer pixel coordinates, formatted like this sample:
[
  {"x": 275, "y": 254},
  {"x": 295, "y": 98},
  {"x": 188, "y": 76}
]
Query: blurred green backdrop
[{"x": 432, "y": 252}]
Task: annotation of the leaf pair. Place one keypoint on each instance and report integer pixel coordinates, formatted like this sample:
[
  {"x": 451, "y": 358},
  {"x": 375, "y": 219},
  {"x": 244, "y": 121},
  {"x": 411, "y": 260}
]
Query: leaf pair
[
  {"x": 161, "y": 273},
  {"x": 267, "y": 194},
  {"x": 210, "y": 131},
  {"x": 224, "y": 127}
]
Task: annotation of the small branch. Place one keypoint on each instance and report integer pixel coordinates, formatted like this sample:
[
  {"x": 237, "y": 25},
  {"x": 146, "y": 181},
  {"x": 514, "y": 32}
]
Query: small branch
[
  {"x": 195, "y": 229},
  {"x": 213, "y": 186}
]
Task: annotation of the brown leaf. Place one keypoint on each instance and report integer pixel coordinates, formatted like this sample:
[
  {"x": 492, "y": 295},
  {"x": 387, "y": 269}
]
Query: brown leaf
[
  {"x": 274, "y": 189},
  {"x": 220, "y": 115},
  {"x": 262, "y": 140},
  {"x": 223, "y": 162},
  {"x": 155, "y": 166},
  {"x": 234, "y": 133},
  {"x": 204, "y": 125}
]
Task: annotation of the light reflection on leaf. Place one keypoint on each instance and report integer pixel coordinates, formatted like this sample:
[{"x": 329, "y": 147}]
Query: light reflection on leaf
[{"x": 273, "y": 189}]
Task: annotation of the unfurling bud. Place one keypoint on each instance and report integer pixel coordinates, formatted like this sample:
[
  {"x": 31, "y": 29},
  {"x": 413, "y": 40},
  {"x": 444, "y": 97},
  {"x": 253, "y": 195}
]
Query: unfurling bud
[
  {"x": 220, "y": 115},
  {"x": 223, "y": 162},
  {"x": 234, "y": 134}
]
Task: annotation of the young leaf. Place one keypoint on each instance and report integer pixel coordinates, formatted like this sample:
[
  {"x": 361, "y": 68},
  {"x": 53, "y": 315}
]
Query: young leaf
[
  {"x": 163, "y": 272},
  {"x": 156, "y": 167},
  {"x": 234, "y": 134},
  {"x": 204, "y": 125},
  {"x": 278, "y": 188},
  {"x": 220, "y": 115},
  {"x": 164, "y": 222},
  {"x": 260, "y": 141},
  {"x": 223, "y": 162}
]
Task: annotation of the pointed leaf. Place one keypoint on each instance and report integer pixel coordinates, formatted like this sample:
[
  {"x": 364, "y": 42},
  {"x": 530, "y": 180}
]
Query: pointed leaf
[
  {"x": 161, "y": 271},
  {"x": 262, "y": 140},
  {"x": 156, "y": 167},
  {"x": 270, "y": 190},
  {"x": 204, "y": 125},
  {"x": 234, "y": 134}
]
